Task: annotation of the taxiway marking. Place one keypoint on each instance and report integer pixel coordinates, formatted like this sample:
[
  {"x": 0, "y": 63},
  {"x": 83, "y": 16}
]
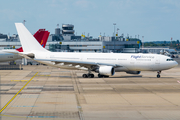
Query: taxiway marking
[
  {"x": 20, "y": 80},
  {"x": 17, "y": 93}
]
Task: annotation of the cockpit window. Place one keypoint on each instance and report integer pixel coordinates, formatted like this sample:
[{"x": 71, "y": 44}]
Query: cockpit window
[{"x": 169, "y": 60}]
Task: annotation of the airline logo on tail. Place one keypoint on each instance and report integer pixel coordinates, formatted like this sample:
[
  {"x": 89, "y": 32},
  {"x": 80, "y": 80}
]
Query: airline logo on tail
[{"x": 42, "y": 43}]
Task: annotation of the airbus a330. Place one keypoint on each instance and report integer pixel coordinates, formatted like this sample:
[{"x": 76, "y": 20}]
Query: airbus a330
[{"x": 106, "y": 64}]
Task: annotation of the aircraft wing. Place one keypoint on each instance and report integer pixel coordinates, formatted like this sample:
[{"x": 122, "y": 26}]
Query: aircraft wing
[
  {"x": 24, "y": 54},
  {"x": 10, "y": 51},
  {"x": 86, "y": 64}
]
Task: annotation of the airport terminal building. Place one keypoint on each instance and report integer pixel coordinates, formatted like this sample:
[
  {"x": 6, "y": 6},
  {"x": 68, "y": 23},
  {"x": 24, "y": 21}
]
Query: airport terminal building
[{"x": 64, "y": 40}]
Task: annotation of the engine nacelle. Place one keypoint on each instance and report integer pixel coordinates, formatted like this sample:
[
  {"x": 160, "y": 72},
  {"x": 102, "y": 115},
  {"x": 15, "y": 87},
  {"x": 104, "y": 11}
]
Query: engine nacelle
[
  {"x": 106, "y": 70},
  {"x": 133, "y": 72}
]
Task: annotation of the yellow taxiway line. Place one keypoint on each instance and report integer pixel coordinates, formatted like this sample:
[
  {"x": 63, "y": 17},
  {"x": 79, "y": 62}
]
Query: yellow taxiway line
[
  {"x": 19, "y": 80},
  {"x": 17, "y": 93}
]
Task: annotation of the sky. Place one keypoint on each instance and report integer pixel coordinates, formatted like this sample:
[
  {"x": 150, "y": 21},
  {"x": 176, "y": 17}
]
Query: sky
[{"x": 156, "y": 20}]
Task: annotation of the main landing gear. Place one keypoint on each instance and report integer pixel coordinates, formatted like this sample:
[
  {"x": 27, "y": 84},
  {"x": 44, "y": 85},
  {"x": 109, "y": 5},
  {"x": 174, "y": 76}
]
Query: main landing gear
[
  {"x": 92, "y": 76},
  {"x": 102, "y": 76},
  {"x": 88, "y": 75},
  {"x": 158, "y": 74}
]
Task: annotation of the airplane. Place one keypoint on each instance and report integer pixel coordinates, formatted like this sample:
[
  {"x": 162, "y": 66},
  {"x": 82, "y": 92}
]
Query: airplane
[
  {"x": 105, "y": 64},
  {"x": 41, "y": 36}
]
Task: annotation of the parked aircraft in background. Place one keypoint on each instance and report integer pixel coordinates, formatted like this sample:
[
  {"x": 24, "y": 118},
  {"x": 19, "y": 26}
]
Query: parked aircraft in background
[
  {"x": 41, "y": 36},
  {"x": 106, "y": 64}
]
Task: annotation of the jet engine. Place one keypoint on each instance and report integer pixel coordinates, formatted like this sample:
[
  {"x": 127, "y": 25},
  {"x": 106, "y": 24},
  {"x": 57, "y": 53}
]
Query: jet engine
[
  {"x": 106, "y": 70},
  {"x": 133, "y": 72}
]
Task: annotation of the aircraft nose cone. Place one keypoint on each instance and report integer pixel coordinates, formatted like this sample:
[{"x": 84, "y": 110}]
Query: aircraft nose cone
[{"x": 175, "y": 64}]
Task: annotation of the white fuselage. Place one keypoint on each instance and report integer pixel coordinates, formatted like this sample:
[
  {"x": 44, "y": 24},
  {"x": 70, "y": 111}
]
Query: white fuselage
[
  {"x": 4, "y": 56},
  {"x": 127, "y": 61}
]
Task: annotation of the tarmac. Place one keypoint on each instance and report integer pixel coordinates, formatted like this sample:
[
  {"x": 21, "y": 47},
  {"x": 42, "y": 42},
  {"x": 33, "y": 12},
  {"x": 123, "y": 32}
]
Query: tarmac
[{"x": 43, "y": 92}]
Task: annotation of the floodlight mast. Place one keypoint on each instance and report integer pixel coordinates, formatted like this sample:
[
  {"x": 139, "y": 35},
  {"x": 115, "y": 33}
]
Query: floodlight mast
[
  {"x": 114, "y": 28},
  {"x": 24, "y": 22}
]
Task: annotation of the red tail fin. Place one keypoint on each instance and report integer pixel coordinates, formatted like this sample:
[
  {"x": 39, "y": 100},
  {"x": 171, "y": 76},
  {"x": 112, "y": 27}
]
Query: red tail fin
[
  {"x": 42, "y": 40},
  {"x": 41, "y": 36}
]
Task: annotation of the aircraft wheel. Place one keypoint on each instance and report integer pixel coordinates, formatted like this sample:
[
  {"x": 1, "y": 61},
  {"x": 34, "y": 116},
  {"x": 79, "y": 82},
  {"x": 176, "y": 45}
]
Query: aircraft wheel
[
  {"x": 100, "y": 76},
  {"x": 84, "y": 76},
  {"x": 105, "y": 76},
  {"x": 92, "y": 75},
  {"x": 158, "y": 76}
]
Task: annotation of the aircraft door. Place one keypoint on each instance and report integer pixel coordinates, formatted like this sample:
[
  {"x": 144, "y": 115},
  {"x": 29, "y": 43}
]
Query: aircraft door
[
  {"x": 132, "y": 63},
  {"x": 157, "y": 62}
]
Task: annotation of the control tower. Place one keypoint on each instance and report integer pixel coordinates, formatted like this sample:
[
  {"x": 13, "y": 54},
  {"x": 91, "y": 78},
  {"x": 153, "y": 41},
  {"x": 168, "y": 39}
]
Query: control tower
[{"x": 67, "y": 30}]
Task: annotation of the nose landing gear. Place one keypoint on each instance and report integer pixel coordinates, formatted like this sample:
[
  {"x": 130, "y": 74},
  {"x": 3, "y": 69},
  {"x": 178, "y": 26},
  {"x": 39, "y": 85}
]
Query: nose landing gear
[{"x": 158, "y": 74}]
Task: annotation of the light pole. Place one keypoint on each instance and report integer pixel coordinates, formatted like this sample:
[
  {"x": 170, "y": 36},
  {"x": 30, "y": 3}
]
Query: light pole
[
  {"x": 24, "y": 60},
  {"x": 117, "y": 31},
  {"x": 24, "y": 22},
  {"x": 114, "y": 29},
  {"x": 142, "y": 42},
  {"x": 114, "y": 36}
]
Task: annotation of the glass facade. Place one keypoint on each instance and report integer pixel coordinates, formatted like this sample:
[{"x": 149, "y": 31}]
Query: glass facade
[
  {"x": 131, "y": 46},
  {"x": 67, "y": 28},
  {"x": 97, "y": 46}
]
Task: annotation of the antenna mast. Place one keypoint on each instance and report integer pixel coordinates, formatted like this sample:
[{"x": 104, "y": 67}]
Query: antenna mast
[{"x": 24, "y": 22}]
